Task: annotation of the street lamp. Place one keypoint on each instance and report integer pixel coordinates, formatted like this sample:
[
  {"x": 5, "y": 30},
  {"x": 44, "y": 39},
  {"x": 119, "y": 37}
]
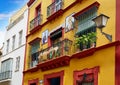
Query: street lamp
[{"x": 101, "y": 22}]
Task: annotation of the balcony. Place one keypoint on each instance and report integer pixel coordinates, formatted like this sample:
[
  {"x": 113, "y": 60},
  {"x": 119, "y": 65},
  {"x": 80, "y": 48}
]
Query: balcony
[
  {"x": 5, "y": 75},
  {"x": 55, "y": 9},
  {"x": 53, "y": 53},
  {"x": 35, "y": 23},
  {"x": 34, "y": 59}
]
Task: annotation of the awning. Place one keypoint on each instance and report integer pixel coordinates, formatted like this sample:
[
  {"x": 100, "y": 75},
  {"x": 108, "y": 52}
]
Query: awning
[{"x": 56, "y": 34}]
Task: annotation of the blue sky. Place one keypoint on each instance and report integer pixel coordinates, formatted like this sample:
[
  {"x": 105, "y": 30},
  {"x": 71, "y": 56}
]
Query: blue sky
[{"x": 8, "y": 8}]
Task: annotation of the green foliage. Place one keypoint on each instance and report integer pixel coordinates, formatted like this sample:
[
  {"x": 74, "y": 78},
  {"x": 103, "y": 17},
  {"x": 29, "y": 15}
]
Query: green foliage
[
  {"x": 84, "y": 39},
  {"x": 92, "y": 37}
]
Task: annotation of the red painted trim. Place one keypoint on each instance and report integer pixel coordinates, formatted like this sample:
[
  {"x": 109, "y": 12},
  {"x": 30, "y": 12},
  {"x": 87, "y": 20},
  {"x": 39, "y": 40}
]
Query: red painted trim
[
  {"x": 49, "y": 41},
  {"x": 53, "y": 1},
  {"x": 55, "y": 15},
  {"x": 37, "y": 8},
  {"x": 61, "y": 11},
  {"x": 117, "y": 49},
  {"x": 55, "y": 63},
  {"x": 35, "y": 29},
  {"x": 117, "y": 20},
  {"x": 25, "y": 46},
  {"x": 30, "y": 2},
  {"x": 34, "y": 40},
  {"x": 96, "y": 4},
  {"x": 65, "y": 60},
  {"x": 58, "y": 14},
  {"x": 53, "y": 75},
  {"x": 36, "y": 81},
  {"x": 91, "y": 51},
  {"x": 78, "y": 75},
  {"x": 34, "y": 69}
]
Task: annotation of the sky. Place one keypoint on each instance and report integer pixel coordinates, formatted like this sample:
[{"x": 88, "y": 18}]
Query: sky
[{"x": 8, "y": 8}]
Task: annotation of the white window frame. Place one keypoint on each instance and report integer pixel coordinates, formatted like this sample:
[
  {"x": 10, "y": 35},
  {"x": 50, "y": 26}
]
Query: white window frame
[
  {"x": 17, "y": 63},
  {"x": 13, "y": 42},
  {"x": 7, "y": 46},
  {"x": 20, "y": 37}
]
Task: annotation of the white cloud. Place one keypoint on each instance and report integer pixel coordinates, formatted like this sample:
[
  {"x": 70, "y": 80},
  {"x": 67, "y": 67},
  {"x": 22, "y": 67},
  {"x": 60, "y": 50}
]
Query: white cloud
[
  {"x": 4, "y": 16},
  {"x": 7, "y": 15},
  {"x": 20, "y": 2}
]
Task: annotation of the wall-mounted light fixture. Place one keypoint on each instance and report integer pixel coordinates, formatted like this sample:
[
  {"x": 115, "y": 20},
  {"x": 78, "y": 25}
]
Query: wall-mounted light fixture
[{"x": 101, "y": 22}]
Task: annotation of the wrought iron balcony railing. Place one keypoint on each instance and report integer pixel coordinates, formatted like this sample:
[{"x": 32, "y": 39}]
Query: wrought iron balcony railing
[
  {"x": 5, "y": 75},
  {"x": 54, "y": 7},
  {"x": 36, "y": 22},
  {"x": 34, "y": 59},
  {"x": 61, "y": 48}
]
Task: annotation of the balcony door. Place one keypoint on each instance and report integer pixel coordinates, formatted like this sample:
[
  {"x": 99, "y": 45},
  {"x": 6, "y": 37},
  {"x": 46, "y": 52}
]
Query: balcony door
[
  {"x": 56, "y": 36},
  {"x": 34, "y": 53},
  {"x": 38, "y": 10},
  {"x": 38, "y": 13}
]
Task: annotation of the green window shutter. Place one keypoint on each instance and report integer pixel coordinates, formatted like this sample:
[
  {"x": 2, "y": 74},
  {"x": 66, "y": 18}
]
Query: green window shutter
[
  {"x": 85, "y": 20},
  {"x": 35, "y": 47}
]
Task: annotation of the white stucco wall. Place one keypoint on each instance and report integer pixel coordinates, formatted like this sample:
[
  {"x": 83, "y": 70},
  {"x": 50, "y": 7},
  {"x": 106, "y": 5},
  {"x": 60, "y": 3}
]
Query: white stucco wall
[{"x": 18, "y": 51}]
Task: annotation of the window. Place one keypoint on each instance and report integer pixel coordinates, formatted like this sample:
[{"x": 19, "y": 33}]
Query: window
[
  {"x": 13, "y": 42},
  {"x": 86, "y": 26},
  {"x": 7, "y": 47},
  {"x": 38, "y": 15},
  {"x": 54, "y": 78},
  {"x": 55, "y": 43},
  {"x": 58, "y": 4},
  {"x": 86, "y": 76},
  {"x": 56, "y": 36},
  {"x": 38, "y": 18},
  {"x": 38, "y": 10},
  {"x": 20, "y": 38},
  {"x": 34, "y": 53},
  {"x": 54, "y": 81},
  {"x": 54, "y": 7},
  {"x": 6, "y": 69},
  {"x": 17, "y": 63}
]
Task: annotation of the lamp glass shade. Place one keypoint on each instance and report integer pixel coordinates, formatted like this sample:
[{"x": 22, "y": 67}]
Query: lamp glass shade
[{"x": 101, "y": 20}]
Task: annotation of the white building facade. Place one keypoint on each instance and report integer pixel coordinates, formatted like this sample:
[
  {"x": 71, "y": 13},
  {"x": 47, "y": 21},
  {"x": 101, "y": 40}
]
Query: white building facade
[{"x": 13, "y": 52}]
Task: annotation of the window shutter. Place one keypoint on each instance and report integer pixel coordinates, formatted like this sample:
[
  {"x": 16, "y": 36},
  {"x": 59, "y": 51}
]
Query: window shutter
[{"x": 85, "y": 20}]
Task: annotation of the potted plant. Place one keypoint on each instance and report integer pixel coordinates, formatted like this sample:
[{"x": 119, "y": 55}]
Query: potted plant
[
  {"x": 82, "y": 40},
  {"x": 92, "y": 38}
]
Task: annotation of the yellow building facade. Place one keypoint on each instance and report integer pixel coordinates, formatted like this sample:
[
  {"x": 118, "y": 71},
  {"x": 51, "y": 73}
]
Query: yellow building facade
[{"x": 64, "y": 46}]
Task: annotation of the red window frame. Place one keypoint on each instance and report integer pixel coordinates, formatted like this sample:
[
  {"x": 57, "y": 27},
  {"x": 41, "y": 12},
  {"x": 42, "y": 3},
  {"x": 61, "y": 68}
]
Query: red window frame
[
  {"x": 36, "y": 10},
  {"x": 49, "y": 40},
  {"x": 90, "y": 73},
  {"x": 53, "y": 75},
  {"x": 33, "y": 81}
]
